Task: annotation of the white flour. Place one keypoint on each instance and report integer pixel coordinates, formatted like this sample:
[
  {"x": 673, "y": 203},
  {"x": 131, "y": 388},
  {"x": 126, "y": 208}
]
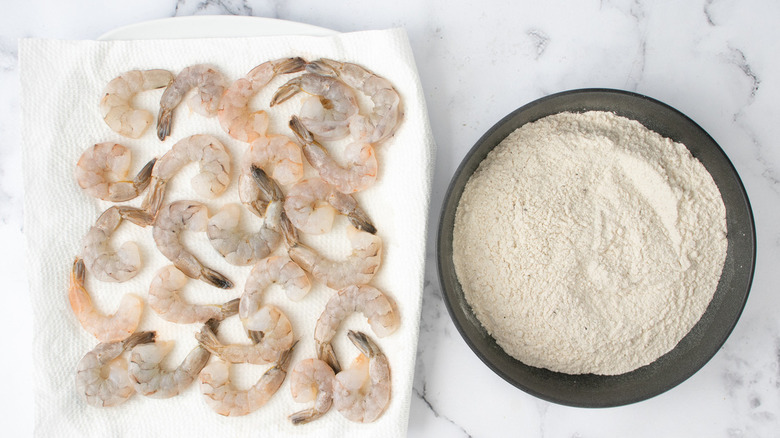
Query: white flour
[{"x": 586, "y": 243}]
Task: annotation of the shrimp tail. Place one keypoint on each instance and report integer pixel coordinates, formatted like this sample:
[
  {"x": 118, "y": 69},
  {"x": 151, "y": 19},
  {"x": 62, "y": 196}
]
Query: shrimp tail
[
  {"x": 215, "y": 278},
  {"x": 359, "y": 219},
  {"x": 135, "y": 215},
  {"x": 229, "y": 309},
  {"x": 285, "y": 357},
  {"x": 305, "y": 416},
  {"x": 79, "y": 300},
  {"x": 141, "y": 181},
  {"x": 320, "y": 67},
  {"x": 326, "y": 354},
  {"x": 208, "y": 339},
  {"x": 154, "y": 198},
  {"x": 300, "y": 131},
  {"x": 79, "y": 273},
  {"x": 363, "y": 343},
  {"x": 268, "y": 187},
  {"x": 164, "y": 119},
  {"x": 289, "y": 231},
  {"x": 290, "y": 65},
  {"x": 138, "y": 338},
  {"x": 286, "y": 91}
]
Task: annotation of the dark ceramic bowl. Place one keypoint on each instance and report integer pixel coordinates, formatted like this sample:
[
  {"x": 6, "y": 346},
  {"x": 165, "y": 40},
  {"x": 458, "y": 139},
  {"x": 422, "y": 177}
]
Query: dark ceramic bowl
[{"x": 706, "y": 337}]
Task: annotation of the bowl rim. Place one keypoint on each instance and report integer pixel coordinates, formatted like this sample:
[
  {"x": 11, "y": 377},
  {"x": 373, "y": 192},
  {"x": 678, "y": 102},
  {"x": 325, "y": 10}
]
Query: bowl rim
[{"x": 452, "y": 309}]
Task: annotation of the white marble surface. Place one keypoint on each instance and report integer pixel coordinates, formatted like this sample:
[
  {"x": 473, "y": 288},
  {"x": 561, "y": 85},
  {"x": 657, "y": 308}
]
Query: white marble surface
[{"x": 715, "y": 60}]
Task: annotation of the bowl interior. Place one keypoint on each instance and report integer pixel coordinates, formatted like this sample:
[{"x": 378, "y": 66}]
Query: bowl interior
[{"x": 706, "y": 337}]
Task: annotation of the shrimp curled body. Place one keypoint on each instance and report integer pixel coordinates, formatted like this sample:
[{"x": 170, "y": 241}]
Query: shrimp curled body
[
  {"x": 311, "y": 379},
  {"x": 361, "y": 393},
  {"x": 368, "y": 300},
  {"x": 234, "y": 113},
  {"x": 106, "y": 328},
  {"x": 225, "y": 399},
  {"x": 166, "y": 300},
  {"x": 210, "y": 84},
  {"x": 172, "y": 220},
  {"x": 115, "y": 105},
  {"x": 102, "y": 171},
  {"x": 101, "y": 375},
  {"x": 151, "y": 380},
  {"x": 100, "y": 259},
  {"x": 358, "y": 268}
]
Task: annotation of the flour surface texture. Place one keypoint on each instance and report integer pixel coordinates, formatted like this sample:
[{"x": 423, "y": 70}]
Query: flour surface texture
[{"x": 586, "y": 243}]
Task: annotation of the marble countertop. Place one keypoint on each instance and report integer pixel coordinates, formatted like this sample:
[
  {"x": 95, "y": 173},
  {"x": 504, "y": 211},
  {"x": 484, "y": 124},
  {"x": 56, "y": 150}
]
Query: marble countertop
[{"x": 714, "y": 60}]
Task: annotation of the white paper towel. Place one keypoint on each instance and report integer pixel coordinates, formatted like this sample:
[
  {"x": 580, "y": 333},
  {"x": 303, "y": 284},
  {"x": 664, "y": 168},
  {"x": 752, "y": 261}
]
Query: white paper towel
[{"x": 62, "y": 82}]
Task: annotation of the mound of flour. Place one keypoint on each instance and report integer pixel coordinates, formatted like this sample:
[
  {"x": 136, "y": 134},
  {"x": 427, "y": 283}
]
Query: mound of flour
[{"x": 586, "y": 243}]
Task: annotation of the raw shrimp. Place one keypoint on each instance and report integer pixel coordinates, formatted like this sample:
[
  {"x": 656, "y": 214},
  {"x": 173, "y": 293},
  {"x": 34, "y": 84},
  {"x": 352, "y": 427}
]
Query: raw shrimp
[
  {"x": 278, "y": 156},
  {"x": 211, "y": 86},
  {"x": 115, "y": 106},
  {"x": 357, "y": 174},
  {"x": 242, "y": 247},
  {"x": 234, "y": 114},
  {"x": 386, "y": 114},
  {"x": 361, "y": 393},
  {"x": 171, "y": 221},
  {"x": 312, "y": 204},
  {"x": 368, "y": 300},
  {"x": 102, "y": 171},
  {"x": 272, "y": 270},
  {"x": 100, "y": 259},
  {"x": 357, "y": 268},
  {"x": 225, "y": 399},
  {"x": 106, "y": 328},
  {"x": 311, "y": 379},
  {"x": 270, "y": 332},
  {"x": 101, "y": 375},
  {"x": 151, "y": 380},
  {"x": 328, "y": 115},
  {"x": 210, "y": 182},
  {"x": 166, "y": 300}
]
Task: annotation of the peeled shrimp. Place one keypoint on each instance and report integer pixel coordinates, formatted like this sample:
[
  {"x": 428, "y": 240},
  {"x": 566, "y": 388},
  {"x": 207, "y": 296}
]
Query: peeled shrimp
[
  {"x": 361, "y": 393},
  {"x": 101, "y": 375},
  {"x": 386, "y": 114},
  {"x": 280, "y": 158},
  {"x": 225, "y": 399},
  {"x": 106, "y": 328},
  {"x": 210, "y": 182},
  {"x": 357, "y": 174},
  {"x": 102, "y": 171},
  {"x": 369, "y": 301},
  {"x": 358, "y": 268},
  {"x": 241, "y": 247},
  {"x": 171, "y": 221},
  {"x": 118, "y": 94},
  {"x": 100, "y": 259},
  {"x": 151, "y": 380},
  {"x": 234, "y": 114},
  {"x": 312, "y": 204},
  {"x": 237, "y": 246},
  {"x": 211, "y": 85},
  {"x": 270, "y": 332},
  {"x": 166, "y": 300},
  {"x": 311, "y": 379},
  {"x": 272, "y": 270},
  {"x": 329, "y": 114}
]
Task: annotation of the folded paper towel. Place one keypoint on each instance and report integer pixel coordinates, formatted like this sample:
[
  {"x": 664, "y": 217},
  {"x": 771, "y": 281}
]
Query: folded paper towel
[{"x": 62, "y": 82}]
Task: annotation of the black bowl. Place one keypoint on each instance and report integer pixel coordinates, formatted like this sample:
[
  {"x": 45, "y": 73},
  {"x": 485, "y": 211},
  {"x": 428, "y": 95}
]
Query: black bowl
[{"x": 704, "y": 339}]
